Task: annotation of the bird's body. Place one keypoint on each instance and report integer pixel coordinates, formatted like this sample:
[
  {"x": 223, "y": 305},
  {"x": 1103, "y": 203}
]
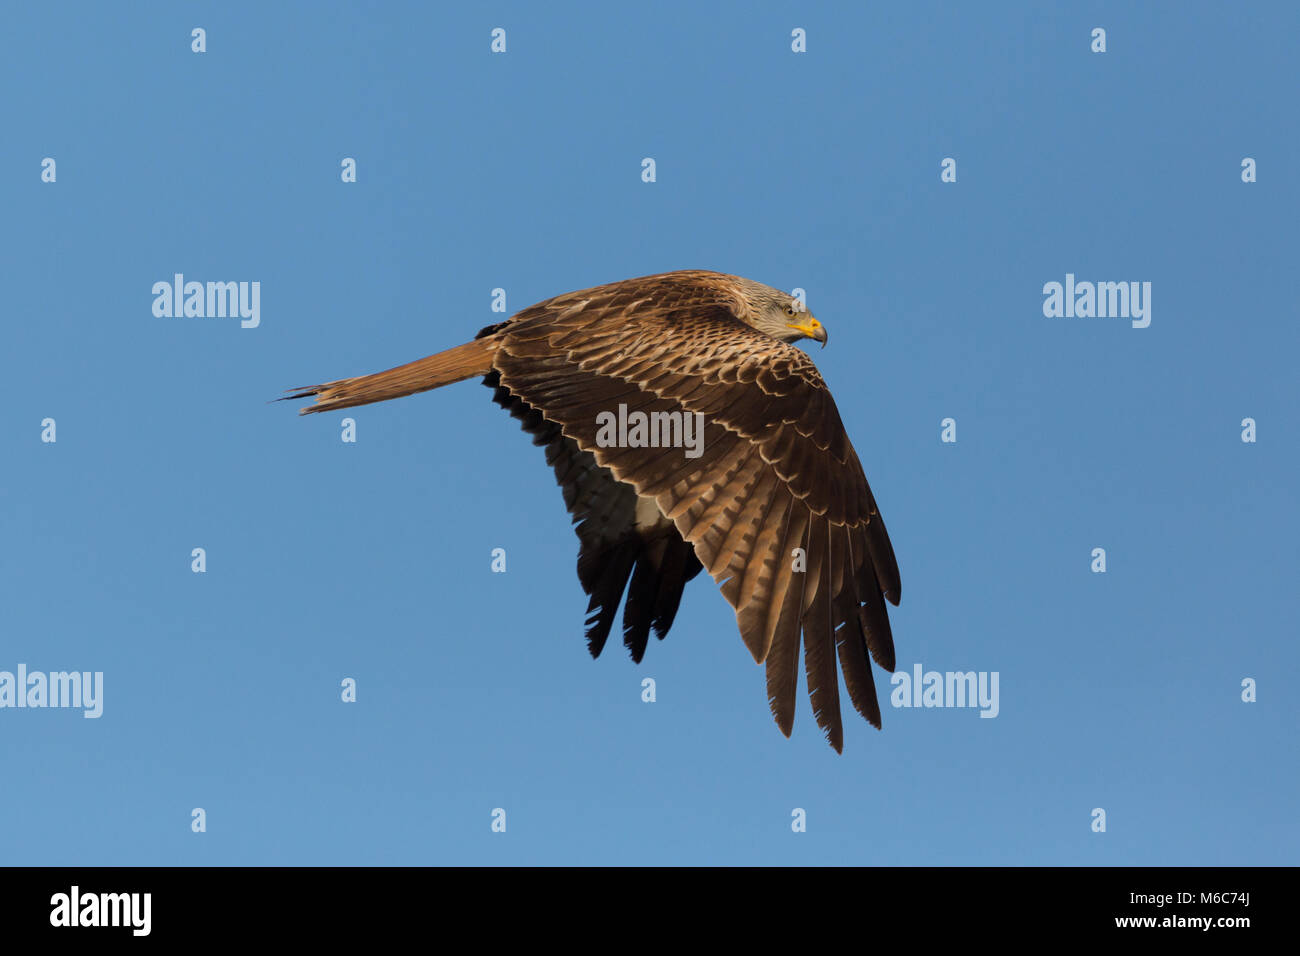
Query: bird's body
[{"x": 772, "y": 501}]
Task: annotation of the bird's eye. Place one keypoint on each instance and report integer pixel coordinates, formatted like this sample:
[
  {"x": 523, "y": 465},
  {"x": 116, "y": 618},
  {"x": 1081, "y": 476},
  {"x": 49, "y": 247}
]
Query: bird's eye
[{"x": 789, "y": 310}]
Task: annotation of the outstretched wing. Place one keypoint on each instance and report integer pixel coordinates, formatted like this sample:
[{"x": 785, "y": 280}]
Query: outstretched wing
[{"x": 776, "y": 506}]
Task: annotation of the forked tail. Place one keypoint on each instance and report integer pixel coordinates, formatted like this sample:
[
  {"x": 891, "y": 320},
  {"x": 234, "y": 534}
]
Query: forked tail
[{"x": 454, "y": 365}]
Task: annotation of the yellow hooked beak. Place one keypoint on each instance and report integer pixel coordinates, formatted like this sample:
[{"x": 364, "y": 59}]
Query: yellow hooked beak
[{"x": 811, "y": 328}]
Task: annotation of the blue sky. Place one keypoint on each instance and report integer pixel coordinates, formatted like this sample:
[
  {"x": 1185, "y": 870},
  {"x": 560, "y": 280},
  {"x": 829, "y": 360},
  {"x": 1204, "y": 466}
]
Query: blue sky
[{"x": 522, "y": 170}]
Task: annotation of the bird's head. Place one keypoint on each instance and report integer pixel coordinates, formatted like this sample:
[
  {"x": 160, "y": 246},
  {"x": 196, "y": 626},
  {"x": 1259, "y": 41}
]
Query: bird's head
[{"x": 781, "y": 315}]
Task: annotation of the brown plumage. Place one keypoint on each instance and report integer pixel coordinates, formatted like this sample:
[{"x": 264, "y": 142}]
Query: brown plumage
[{"x": 777, "y": 471}]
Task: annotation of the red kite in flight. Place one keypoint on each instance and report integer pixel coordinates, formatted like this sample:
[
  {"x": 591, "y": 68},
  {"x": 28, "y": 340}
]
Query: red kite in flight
[{"x": 771, "y": 501}]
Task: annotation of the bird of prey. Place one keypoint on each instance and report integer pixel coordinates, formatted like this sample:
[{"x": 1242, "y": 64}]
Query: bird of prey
[{"x": 773, "y": 502}]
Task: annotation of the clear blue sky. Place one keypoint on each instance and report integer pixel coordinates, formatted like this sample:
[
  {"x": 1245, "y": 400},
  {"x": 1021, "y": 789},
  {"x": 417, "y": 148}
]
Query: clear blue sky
[{"x": 371, "y": 560}]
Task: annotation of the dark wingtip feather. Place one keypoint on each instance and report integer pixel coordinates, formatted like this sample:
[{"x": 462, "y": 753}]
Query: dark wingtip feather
[
  {"x": 597, "y": 632},
  {"x": 784, "y": 722},
  {"x": 606, "y": 596},
  {"x": 878, "y": 635},
  {"x": 680, "y": 566},
  {"x": 638, "y": 609},
  {"x": 873, "y": 712}
]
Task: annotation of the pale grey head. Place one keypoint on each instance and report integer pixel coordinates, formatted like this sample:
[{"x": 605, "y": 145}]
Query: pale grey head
[{"x": 780, "y": 314}]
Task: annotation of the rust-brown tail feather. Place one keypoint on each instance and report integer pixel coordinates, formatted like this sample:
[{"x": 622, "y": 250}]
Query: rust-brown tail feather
[{"x": 464, "y": 361}]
